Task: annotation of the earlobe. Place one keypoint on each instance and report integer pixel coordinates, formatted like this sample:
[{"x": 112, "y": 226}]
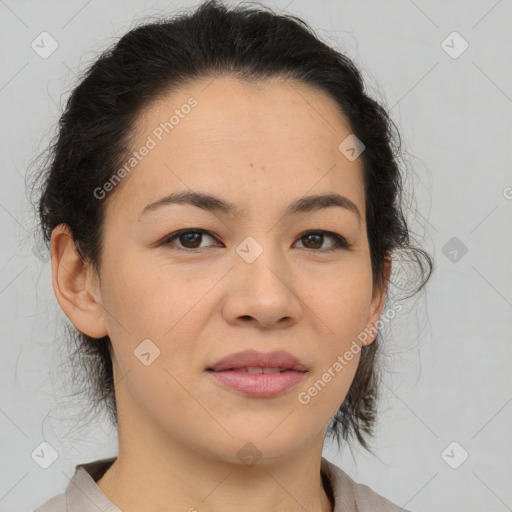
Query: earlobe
[{"x": 71, "y": 280}]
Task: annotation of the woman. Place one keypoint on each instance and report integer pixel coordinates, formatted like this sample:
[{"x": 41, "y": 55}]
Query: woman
[{"x": 223, "y": 208}]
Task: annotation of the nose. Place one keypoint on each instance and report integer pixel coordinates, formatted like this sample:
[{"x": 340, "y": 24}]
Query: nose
[{"x": 263, "y": 293}]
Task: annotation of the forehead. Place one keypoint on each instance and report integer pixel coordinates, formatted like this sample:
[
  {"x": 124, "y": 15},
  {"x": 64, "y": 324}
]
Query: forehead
[{"x": 240, "y": 139}]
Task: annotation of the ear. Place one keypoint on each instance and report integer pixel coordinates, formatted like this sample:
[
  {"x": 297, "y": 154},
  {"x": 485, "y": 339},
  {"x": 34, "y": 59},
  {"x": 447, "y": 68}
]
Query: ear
[
  {"x": 377, "y": 304},
  {"x": 76, "y": 285}
]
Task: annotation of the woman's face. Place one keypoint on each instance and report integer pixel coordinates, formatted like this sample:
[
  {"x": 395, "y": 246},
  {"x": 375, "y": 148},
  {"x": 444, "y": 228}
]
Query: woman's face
[{"x": 254, "y": 280}]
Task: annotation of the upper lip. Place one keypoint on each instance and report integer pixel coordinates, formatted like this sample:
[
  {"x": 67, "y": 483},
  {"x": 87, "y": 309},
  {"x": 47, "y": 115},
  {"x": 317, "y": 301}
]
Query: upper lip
[{"x": 253, "y": 358}]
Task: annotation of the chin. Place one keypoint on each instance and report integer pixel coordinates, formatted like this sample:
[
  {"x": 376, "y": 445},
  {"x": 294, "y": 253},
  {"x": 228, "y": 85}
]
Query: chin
[{"x": 261, "y": 449}]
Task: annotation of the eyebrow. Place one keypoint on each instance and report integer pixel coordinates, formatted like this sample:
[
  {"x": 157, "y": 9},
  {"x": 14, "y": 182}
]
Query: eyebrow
[{"x": 216, "y": 204}]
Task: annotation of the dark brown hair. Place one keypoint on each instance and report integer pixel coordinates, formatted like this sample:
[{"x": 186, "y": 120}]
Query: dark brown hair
[{"x": 150, "y": 60}]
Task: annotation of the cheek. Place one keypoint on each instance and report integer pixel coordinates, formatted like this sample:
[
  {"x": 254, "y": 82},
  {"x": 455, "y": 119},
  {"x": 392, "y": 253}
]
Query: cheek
[
  {"x": 326, "y": 390},
  {"x": 153, "y": 323},
  {"x": 147, "y": 301},
  {"x": 342, "y": 308},
  {"x": 342, "y": 302}
]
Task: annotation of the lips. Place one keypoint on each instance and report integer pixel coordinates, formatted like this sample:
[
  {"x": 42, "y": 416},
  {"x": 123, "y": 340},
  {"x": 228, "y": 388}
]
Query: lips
[
  {"x": 259, "y": 375},
  {"x": 252, "y": 361}
]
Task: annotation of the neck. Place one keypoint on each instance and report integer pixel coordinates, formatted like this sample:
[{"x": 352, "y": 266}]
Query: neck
[{"x": 154, "y": 472}]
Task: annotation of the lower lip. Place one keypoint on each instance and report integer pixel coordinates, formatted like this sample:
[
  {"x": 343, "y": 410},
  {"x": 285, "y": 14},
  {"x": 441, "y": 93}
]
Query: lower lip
[{"x": 259, "y": 384}]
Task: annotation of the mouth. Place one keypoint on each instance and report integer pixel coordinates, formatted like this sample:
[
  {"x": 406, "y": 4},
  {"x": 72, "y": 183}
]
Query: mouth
[
  {"x": 253, "y": 361},
  {"x": 254, "y": 370},
  {"x": 255, "y": 374}
]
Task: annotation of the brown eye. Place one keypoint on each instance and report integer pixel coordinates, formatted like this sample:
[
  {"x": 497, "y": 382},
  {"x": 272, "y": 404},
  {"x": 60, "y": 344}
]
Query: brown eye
[
  {"x": 188, "y": 239},
  {"x": 314, "y": 240}
]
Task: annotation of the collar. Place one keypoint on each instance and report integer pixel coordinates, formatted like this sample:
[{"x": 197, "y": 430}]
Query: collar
[{"x": 82, "y": 492}]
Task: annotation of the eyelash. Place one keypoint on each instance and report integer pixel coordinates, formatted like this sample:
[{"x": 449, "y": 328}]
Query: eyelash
[{"x": 340, "y": 242}]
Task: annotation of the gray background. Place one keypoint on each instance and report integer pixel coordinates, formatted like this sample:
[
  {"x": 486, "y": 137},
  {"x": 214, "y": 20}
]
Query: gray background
[{"x": 448, "y": 354}]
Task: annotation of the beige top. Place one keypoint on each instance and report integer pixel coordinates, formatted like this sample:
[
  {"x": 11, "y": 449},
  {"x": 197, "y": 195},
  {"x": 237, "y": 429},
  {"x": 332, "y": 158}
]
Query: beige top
[{"x": 83, "y": 495}]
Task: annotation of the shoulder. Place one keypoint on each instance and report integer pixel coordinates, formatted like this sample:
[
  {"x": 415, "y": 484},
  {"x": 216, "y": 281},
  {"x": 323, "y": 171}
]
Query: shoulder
[
  {"x": 367, "y": 500},
  {"x": 350, "y": 495},
  {"x": 55, "y": 504},
  {"x": 82, "y": 494}
]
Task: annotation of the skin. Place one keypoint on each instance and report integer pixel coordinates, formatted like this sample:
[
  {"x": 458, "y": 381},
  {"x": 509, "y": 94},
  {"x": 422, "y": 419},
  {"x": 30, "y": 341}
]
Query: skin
[{"x": 260, "y": 146}]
